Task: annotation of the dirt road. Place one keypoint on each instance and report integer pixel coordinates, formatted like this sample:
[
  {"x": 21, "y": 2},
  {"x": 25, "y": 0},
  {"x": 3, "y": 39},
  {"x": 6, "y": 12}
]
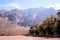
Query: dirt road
[{"x": 25, "y": 38}]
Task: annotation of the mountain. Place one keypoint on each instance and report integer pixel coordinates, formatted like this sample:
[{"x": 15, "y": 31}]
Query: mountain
[
  {"x": 27, "y": 17},
  {"x": 35, "y": 15}
]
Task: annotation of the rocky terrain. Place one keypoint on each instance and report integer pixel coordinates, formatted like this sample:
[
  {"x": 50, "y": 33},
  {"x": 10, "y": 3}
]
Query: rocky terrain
[{"x": 29, "y": 16}]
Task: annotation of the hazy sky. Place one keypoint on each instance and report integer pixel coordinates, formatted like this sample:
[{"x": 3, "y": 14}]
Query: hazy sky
[{"x": 25, "y": 4}]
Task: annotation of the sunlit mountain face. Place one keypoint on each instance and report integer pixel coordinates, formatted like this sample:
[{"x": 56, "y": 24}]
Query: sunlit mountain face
[{"x": 28, "y": 17}]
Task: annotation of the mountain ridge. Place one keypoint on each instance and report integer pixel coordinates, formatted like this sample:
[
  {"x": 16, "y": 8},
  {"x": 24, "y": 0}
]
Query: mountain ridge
[{"x": 28, "y": 17}]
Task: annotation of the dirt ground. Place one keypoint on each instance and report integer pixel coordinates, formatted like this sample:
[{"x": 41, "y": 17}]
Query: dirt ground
[
  {"x": 14, "y": 31},
  {"x": 25, "y": 38}
]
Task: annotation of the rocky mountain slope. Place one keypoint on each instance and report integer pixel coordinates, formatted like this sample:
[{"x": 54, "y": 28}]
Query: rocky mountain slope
[{"x": 27, "y": 17}]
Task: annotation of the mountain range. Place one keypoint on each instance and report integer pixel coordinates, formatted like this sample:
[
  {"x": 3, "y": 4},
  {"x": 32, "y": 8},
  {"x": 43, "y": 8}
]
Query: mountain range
[{"x": 29, "y": 16}]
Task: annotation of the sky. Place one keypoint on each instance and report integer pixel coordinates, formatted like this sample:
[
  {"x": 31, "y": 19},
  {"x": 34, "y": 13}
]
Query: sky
[{"x": 26, "y": 4}]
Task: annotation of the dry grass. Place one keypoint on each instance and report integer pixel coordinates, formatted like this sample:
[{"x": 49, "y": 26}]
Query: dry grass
[{"x": 14, "y": 31}]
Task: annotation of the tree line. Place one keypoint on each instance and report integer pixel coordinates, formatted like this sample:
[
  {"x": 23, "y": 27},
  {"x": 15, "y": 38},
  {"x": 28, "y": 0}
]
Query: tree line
[{"x": 50, "y": 27}]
